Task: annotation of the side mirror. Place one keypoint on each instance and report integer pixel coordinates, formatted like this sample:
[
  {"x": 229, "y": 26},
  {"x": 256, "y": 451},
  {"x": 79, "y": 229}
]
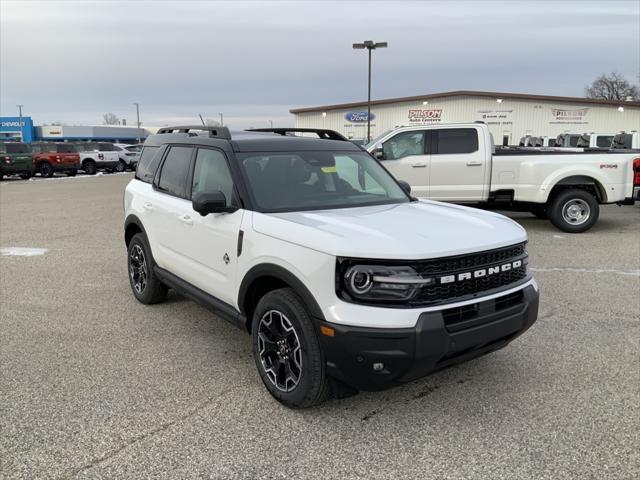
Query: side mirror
[
  {"x": 378, "y": 151},
  {"x": 405, "y": 186},
  {"x": 212, "y": 202}
]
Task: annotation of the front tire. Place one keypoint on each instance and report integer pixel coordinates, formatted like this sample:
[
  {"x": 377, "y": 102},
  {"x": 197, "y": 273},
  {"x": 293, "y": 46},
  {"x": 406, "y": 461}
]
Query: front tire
[
  {"x": 287, "y": 351},
  {"x": 145, "y": 285},
  {"x": 25, "y": 176},
  {"x": 574, "y": 210},
  {"x": 121, "y": 167}
]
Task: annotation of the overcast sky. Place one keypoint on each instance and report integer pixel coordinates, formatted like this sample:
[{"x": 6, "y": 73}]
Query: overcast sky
[{"x": 73, "y": 61}]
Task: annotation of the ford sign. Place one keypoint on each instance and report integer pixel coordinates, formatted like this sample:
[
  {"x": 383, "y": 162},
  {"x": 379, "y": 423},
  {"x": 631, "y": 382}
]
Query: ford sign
[{"x": 358, "y": 117}]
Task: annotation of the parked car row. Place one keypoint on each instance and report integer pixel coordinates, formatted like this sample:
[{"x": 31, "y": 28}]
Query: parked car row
[
  {"x": 47, "y": 158},
  {"x": 603, "y": 141}
]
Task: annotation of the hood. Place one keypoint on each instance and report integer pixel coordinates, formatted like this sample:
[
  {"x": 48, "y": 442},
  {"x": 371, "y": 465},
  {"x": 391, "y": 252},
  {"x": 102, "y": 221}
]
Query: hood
[{"x": 417, "y": 230}]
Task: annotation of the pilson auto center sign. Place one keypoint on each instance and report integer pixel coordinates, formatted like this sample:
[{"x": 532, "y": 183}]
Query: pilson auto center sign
[
  {"x": 575, "y": 116},
  {"x": 432, "y": 115}
]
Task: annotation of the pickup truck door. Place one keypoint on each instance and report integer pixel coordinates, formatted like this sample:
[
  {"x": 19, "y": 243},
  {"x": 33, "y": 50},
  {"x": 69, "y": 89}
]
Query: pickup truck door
[
  {"x": 406, "y": 157},
  {"x": 458, "y": 165}
]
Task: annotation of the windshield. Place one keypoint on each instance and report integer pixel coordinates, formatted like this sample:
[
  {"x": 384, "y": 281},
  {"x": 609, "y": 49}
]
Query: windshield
[
  {"x": 377, "y": 139},
  {"x": 288, "y": 181}
]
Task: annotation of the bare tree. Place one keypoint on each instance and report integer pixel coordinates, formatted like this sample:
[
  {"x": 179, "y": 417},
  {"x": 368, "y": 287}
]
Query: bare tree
[
  {"x": 612, "y": 87},
  {"x": 110, "y": 119}
]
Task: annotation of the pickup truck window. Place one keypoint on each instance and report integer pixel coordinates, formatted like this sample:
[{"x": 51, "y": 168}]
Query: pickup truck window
[
  {"x": 604, "y": 141},
  {"x": 404, "y": 144},
  {"x": 455, "y": 140},
  {"x": 148, "y": 164},
  {"x": 175, "y": 170}
]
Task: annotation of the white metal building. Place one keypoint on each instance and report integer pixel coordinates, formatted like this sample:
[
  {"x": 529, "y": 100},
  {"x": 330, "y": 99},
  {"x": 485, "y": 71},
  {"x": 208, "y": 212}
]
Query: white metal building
[{"x": 510, "y": 116}]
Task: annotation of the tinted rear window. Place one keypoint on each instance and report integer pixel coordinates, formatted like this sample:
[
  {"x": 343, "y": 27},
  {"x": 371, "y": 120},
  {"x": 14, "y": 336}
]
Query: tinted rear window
[
  {"x": 175, "y": 169},
  {"x": 148, "y": 164},
  {"x": 456, "y": 140},
  {"x": 65, "y": 148},
  {"x": 17, "y": 148},
  {"x": 604, "y": 141}
]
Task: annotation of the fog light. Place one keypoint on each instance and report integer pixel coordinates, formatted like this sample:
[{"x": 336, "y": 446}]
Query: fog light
[{"x": 378, "y": 367}]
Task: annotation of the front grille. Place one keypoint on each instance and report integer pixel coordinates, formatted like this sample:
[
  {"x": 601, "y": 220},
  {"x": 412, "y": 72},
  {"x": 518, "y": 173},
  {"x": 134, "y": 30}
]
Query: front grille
[
  {"x": 451, "y": 264},
  {"x": 465, "y": 288},
  {"x": 476, "y": 314}
]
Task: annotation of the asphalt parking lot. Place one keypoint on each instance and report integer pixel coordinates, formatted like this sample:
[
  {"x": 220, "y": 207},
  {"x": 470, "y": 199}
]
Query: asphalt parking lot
[{"x": 96, "y": 385}]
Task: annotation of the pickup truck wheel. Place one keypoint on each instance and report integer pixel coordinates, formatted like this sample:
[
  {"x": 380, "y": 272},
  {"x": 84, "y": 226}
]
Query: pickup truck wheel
[
  {"x": 574, "y": 211},
  {"x": 287, "y": 351},
  {"x": 146, "y": 286},
  {"x": 89, "y": 167},
  {"x": 539, "y": 211},
  {"x": 121, "y": 167},
  {"x": 46, "y": 170}
]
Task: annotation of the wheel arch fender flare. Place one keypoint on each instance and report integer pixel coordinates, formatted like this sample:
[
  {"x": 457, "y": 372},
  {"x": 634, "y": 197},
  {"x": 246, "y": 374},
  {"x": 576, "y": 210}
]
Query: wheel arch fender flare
[
  {"x": 566, "y": 177},
  {"x": 281, "y": 273},
  {"x": 131, "y": 221}
]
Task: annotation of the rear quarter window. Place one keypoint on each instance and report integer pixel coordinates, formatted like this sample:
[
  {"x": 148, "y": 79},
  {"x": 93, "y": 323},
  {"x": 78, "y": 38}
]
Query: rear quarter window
[
  {"x": 456, "y": 140},
  {"x": 148, "y": 164},
  {"x": 65, "y": 148}
]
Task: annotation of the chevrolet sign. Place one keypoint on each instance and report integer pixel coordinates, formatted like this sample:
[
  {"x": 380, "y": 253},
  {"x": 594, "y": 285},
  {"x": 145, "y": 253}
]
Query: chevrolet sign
[{"x": 481, "y": 272}]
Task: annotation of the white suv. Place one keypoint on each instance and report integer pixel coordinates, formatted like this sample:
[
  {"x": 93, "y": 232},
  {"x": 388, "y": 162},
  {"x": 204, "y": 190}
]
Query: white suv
[{"x": 339, "y": 274}]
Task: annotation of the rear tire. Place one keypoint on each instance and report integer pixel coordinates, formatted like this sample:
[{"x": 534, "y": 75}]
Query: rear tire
[
  {"x": 46, "y": 170},
  {"x": 145, "y": 285},
  {"x": 89, "y": 167},
  {"x": 574, "y": 210},
  {"x": 287, "y": 351}
]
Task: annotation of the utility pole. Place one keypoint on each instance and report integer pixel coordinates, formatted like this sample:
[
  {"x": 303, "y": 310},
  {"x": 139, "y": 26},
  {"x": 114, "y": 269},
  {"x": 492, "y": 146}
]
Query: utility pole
[
  {"x": 21, "y": 126},
  {"x": 137, "y": 119},
  {"x": 369, "y": 45},
  {"x": 271, "y": 123},
  {"x": 221, "y": 119}
]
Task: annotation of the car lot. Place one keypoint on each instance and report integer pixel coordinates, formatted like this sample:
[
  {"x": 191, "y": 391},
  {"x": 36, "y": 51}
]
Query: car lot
[{"x": 95, "y": 385}]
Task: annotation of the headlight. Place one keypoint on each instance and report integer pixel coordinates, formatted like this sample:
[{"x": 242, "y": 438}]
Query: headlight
[{"x": 385, "y": 283}]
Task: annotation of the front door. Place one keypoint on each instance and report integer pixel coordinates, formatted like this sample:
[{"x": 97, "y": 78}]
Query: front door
[
  {"x": 406, "y": 157},
  {"x": 211, "y": 242}
]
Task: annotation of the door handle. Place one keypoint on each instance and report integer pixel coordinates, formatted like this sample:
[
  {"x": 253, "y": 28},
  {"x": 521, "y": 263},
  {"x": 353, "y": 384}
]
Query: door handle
[
  {"x": 148, "y": 206},
  {"x": 186, "y": 219},
  {"x": 419, "y": 165},
  {"x": 473, "y": 164}
]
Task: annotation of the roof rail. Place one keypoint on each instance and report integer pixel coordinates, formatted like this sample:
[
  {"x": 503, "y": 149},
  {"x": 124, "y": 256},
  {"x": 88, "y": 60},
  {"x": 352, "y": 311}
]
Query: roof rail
[
  {"x": 215, "y": 132},
  {"x": 321, "y": 132}
]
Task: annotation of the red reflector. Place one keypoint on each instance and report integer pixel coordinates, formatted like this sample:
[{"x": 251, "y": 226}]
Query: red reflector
[{"x": 636, "y": 171}]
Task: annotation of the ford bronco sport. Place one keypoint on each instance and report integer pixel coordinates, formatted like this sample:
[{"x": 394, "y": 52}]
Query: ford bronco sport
[
  {"x": 339, "y": 274},
  {"x": 49, "y": 158},
  {"x": 15, "y": 159}
]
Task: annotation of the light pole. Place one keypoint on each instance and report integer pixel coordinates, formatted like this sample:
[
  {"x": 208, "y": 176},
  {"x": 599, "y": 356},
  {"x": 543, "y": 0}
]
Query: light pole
[
  {"x": 271, "y": 123},
  {"x": 369, "y": 45},
  {"x": 20, "y": 114},
  {"x": 138, "y": 119},
  {"x": 221, "y": 119}
]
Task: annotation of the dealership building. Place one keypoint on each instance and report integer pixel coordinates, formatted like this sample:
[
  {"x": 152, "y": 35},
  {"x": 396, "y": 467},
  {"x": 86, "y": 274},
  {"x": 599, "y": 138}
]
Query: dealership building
[
  {"x": 509, "y": 116},
  {"x": 23, "y": 129}
]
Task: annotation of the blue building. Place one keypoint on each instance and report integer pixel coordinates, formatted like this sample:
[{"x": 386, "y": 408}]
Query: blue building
[{"x": 17, "y": 128}]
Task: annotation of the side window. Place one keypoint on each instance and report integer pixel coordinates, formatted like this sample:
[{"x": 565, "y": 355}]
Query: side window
[
  {"x": 148, "y": 164},
  {"x": 458, "y": 140},
  {"x": 211, "y": 173},
  {"x": 174, "y": 172},
  {"x": 403, "y": 145},
  {"x": 603, "y": 141}
]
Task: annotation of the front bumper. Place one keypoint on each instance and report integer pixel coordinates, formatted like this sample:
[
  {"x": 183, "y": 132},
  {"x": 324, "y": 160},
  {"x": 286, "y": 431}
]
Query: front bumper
[{"x": 377, "y": 358}]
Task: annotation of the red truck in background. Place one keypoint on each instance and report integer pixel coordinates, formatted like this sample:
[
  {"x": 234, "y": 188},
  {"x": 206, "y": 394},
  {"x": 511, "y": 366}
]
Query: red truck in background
[{"x": 49, "y": 158}]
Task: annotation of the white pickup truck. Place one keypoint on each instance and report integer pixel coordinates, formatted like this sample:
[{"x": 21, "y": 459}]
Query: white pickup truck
[{"x": 458, "y": 163}]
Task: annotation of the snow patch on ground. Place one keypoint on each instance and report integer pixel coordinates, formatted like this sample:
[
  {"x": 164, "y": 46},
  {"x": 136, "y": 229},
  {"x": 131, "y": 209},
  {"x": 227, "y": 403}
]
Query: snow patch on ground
[{"x": 22, "y": 251}]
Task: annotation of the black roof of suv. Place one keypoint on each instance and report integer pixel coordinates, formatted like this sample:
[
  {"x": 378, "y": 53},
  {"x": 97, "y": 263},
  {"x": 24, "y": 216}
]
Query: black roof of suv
[{"x": 254, "y": 140}]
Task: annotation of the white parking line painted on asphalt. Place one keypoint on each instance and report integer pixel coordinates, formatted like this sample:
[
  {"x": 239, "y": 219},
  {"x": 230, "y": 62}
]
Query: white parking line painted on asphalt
[
  {"x": 22, "y": 251},
  {"x": 633, "y": 273}
]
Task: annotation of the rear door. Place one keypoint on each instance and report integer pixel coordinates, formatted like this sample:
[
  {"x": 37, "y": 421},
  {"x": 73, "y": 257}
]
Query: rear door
[
  {"x": 458, "y": 164},
  {"x": 406, "y": 156}
]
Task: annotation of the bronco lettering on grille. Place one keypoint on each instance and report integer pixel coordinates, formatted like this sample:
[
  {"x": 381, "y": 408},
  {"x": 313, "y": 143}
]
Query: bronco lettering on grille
[{"x": 481, "y": 272}]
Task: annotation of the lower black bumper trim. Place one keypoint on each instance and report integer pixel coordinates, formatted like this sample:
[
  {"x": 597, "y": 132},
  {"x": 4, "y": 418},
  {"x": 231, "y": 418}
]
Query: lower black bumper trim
[{"x": 377, "y": 358}]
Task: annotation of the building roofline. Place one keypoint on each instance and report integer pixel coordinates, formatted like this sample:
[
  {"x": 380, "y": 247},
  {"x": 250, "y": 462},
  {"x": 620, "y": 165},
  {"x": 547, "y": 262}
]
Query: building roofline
[{"x": 471, "y": 93}]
